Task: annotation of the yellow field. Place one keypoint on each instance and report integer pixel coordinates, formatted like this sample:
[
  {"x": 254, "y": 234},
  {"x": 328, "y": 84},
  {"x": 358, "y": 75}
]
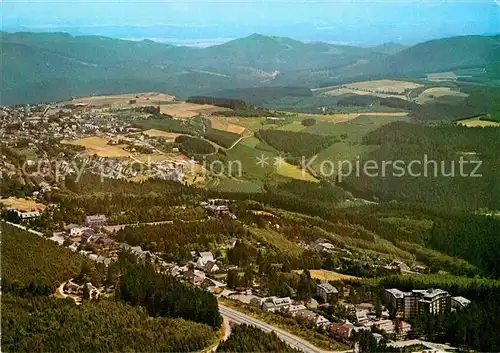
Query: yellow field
[
  {"x": 188, "y": 110},
  {"x": 476, "y": 122},
  {"x": 291, "y": 171},
  {"x": 161, "y": 133},
  {"x": 436, "y": 92},
  {"x": 325, "y": 275},
  {"x": 341, "y": 118},
  {"x": 225, "y": 124},
  {"x": 442, "y": 76},
  {"x": 250, "y": 124},
  {"x": 380, "y": 86},
  {"x": 99, "y": 146},
  {"x": 22, "y": 204},
  {"x": 119, "y": 100}
]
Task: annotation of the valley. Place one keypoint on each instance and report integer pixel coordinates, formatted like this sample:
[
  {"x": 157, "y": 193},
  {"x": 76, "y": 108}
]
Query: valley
[{"x": 327, "y": 197}]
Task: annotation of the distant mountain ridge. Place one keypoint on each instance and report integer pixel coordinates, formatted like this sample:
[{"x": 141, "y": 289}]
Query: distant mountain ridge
[{"x": 53, "y": 66}]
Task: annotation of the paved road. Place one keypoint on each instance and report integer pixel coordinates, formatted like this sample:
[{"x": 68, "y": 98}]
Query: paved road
[{"x": 294, "y": 341}]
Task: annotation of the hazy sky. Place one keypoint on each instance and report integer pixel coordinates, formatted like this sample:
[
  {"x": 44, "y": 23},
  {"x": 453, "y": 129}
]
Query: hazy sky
[{"x": 355, "y": 21}]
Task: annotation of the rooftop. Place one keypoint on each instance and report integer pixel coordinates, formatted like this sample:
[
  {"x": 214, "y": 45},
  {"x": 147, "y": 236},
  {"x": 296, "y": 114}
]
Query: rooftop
[
  {"x": 327, "y": 287},
  {"x": 395, "y": 292}
]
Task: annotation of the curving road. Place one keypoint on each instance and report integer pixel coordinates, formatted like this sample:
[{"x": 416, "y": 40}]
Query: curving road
[{"x": 294, "y": 341}]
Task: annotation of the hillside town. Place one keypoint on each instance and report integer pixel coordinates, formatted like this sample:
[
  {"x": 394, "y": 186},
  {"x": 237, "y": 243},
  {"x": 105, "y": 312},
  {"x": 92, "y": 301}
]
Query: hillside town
[{"x": 56, "y": 140}]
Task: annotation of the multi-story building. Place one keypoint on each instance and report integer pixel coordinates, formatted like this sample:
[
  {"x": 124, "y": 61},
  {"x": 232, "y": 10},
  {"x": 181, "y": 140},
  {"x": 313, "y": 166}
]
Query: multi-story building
[
  {"x": 410, "y": 304},
  {"x": 395, "y": 300},
  {"x": 434, "y": 301},
  {"x": 326, "y": 291},
  {"x": 275, "y": 304},
  {"x": 98, "y": 220}
]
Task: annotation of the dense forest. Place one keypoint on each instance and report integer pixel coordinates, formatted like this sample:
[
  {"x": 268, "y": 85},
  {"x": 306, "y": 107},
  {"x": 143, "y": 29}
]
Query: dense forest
[
  {"x": 168, "y": 123},
  {"x": 222, "y": 138},
  {"x": 219, "y": 102},
  {"x": 246, "y": 338},
  {"x": 262, "y": 95},
  {"x": 45, "y": 324},
  {"x": 446, "y": 160},
  {"x": 297, "y": 144},
  {"x": 482, "y": 249},
  {"x": 193, "y": 145},
  {"x": 238, "y": 106},
  {"x": 165, "y": 296},
  {"x": 180, "y": 236},
  {"x": 32, "y": 265}
]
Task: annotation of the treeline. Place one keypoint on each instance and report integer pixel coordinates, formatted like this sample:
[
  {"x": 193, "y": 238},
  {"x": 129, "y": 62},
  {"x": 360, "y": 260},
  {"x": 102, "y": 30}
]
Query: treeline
[
  {"x": 123, "y": 201},
  {"x": 194, "y": 145},
  {"x": 473, "y": 238},
  {"x": 178, "y": 238},
  {"x": 220, "y": 137},
  {"x": 480, "y": 100},
  {"x": 218, "y": 102},
  {"x": 238, "y": 106},
  {"x": 164, "y": 295},
  {"x": 445, "y": 172},
  {"x": 168, "y": 123},
  {"x": 358, "y": 100},
  {"x": 90, "y": 184},
  {"x": 245, "y": 338},
  {"x": 262, "y": 95},
  {"x": 45, "y": 324},
  {"x": 297, "y": 144},
  {"x": 123, "y": 208},
  {"x": 475, "y": 326}
]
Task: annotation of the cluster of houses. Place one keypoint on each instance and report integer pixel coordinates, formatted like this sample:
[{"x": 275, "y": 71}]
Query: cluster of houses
[
  {"x": 42, "y": 123},
  {"x": 286, "y": 305}
]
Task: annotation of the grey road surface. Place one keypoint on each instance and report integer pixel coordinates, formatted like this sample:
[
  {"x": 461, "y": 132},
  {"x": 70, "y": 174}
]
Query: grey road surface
[{"x": 294, "y": 341}]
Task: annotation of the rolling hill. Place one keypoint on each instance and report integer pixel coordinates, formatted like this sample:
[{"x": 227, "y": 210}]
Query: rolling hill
[{"x": 40, "y": 67}]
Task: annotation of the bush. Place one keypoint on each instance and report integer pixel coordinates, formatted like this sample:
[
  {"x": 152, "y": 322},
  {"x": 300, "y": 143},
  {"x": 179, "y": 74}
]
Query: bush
[{"x": 309, "y": 122}]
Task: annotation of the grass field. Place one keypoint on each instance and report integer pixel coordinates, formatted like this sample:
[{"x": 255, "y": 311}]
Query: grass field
[
  {"x": 325, "y": 275},
  {"x": 294, "y": 126},
  {"x": 22, "y": 204},
  {"x": 250, "y": 142},
  {"x": 350, "y": 135},
  {"x": 432, "y": 93},
  {"x": 99, "y": 146},
  {"x": 473, "y": 122},
  {"x": 235, "y": 185},
  {"x": 161, "y": 133},
  {"x": 442, "y": 76},
  {"x": 226, "y": 124},
  {"x": 293, "y": 172},
  {"x": 380, "y": 86},
  {"x": 121, "y": 100},
  {"x": 355, "y": 128},
  {"x": 188, "y": 110}
]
